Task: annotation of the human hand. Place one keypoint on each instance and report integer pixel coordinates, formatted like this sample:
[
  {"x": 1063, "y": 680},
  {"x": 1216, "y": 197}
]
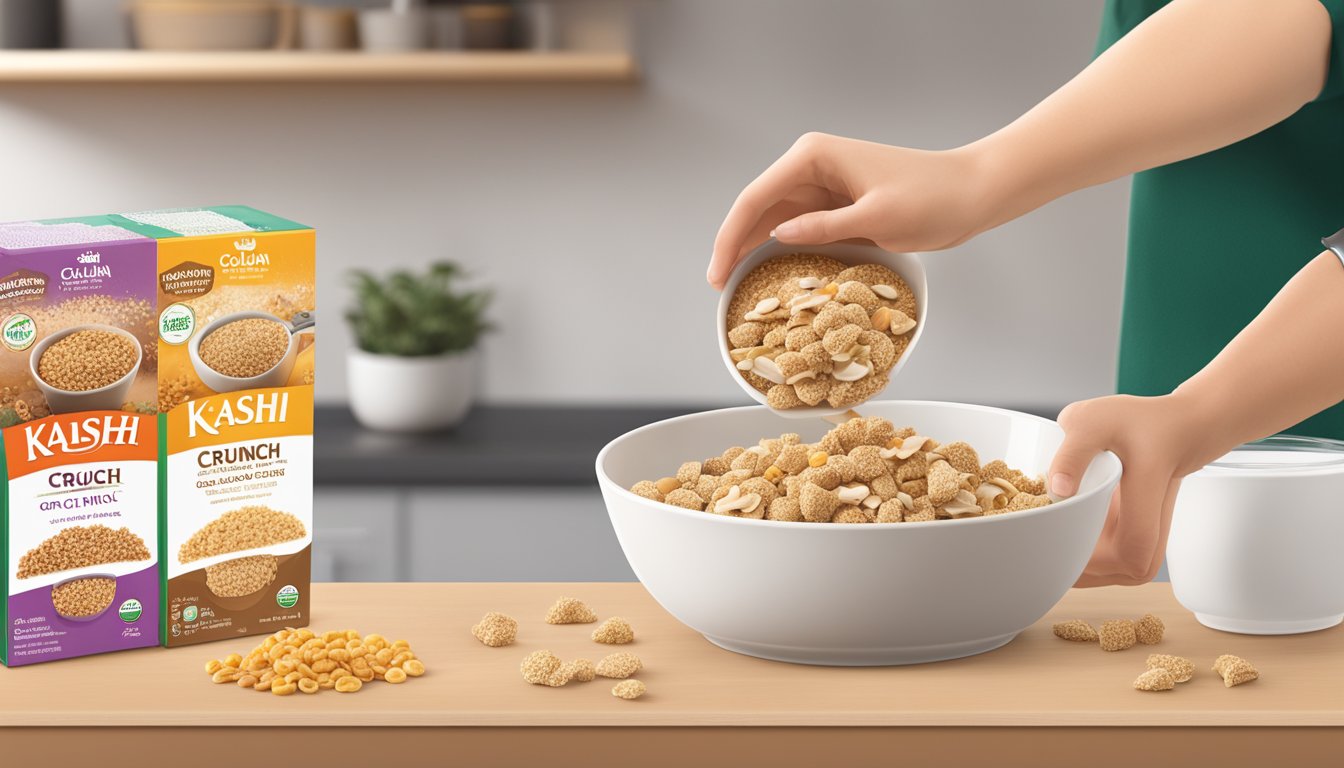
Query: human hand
[
  {"x": 1159, "y": 441},
  {"x": 828, "y": 188}
]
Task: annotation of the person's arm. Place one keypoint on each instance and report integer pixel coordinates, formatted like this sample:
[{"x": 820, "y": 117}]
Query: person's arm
[
  {"x": 1287, "y": 365},
  {"x": 1195, "y": 76}
]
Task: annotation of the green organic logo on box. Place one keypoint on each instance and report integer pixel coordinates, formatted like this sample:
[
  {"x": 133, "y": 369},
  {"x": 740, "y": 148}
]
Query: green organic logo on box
[
  {"x": 19, "y": 331},
  {"x": 190, "y": 614},
  {"x": 176, "y": 323},
  {"x": 287, "y": 597},
  {"x": 130, "y": 611}
]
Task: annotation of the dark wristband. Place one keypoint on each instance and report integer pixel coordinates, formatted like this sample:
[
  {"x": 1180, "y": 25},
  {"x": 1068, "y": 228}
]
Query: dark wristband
[{"x": 1335, "y": 243}]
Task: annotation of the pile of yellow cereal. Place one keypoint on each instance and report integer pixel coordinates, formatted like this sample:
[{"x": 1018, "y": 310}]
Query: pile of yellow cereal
[
  {"x": 805, "y": 328},
  {"x": 301, "y": 660},
  {"x": 862, "y": 471}
]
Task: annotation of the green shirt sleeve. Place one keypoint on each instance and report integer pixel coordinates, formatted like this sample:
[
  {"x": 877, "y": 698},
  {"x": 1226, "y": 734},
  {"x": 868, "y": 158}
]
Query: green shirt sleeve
[{"x": 1334, "y": 78}]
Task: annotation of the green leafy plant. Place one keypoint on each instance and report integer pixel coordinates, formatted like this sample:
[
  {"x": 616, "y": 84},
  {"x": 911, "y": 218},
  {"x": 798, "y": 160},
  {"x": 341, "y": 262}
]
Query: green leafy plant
[{"x": 415, "y": 315}]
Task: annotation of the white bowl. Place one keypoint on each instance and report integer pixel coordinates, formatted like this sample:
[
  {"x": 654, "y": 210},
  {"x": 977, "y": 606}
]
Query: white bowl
[
  {"x": 907, "y": 265},
  {"x": 1255, "y": 537},
  {"x": 902, "y": 593},
  {"x": 107, "y": 398},
  {"x": 276, "y": 376}
]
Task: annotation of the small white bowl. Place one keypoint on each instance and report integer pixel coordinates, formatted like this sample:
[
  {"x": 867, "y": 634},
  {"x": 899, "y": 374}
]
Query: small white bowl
[
  {"x": 276, "y": 376},
  {"x": 107, "y": 398},
  {"x": 854, "y": 595},
  {"x": 907, "y": 265},
  {"x": 1255, "y": 537}
]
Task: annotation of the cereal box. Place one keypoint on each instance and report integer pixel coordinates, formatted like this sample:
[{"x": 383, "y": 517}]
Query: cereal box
[
  {"x": 235, "y": 325},
  {"x": 78, "y": 514}
]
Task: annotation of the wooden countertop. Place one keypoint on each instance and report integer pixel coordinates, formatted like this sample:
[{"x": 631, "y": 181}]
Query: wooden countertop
[{"x": 1037, "y": 681}]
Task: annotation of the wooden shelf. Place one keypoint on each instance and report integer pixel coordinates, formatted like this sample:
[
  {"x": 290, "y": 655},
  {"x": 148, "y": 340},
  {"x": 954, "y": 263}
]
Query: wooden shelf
[{"x": 314, "y": 67}]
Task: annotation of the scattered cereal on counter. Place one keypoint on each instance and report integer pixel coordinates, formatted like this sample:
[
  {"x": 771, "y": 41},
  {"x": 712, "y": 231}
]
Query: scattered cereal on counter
[
  {"x": 539, "y": 666},
  {"x": 1155, "y": 679},
  {"x": 1181, "y": 669},
  {"x": 579, "y": 670},
  {"x": 1148, "y": 630},
  {"x": 495, "y": 630},
  {"x": 302, "y": 661},
  {"x": 614, "y": 631},
  {"x": 629, "y": 690},
  {"x": 1076, "y": 630},
  {"x": 1117, "y": 635},
  {"x": 619, "y": 666},
  {"x": 1234, "y": 670},
  {"x": 568, "y": 610}
]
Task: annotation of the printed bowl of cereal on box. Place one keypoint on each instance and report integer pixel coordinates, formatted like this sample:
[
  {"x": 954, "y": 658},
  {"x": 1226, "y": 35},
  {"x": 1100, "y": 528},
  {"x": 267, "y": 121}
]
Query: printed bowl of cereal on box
[
  {"x": 86, "y": 367},
  {"x": 247, "y": 350},
  {"x": 816, "y": 332},
  {"x": 919, "y": 532}
]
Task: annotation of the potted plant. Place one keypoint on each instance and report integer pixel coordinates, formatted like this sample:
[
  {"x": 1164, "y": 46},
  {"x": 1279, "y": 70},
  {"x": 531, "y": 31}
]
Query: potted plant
[{"x": 414, "y": 366}]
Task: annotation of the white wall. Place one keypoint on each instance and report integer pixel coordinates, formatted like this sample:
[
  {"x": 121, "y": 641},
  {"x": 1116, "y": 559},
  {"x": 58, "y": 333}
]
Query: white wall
[{"x": 591, "y": 209}]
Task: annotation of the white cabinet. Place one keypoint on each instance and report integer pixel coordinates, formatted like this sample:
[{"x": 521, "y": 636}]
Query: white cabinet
[
  {"x": 357, "y": 534},
  {"x": 512, "y": 534}
]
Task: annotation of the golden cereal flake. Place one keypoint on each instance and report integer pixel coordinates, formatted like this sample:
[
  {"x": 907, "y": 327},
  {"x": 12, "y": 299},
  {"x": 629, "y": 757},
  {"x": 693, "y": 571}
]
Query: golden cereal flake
[
  {"x": 748, "y": 334},
  {"x": 1181, "y": 669},
  {"x": 647, "y": 489},
  {"x": 785, "y": 510},
  {"x": 689, "y": 473},
  {"x": 944, "y": 482},
  {"x": 568, "y": 610},
  {"x": 614, "y": 631},
  {"x": 685, "y": 499},
  {"x": 1148, "y": 630},
  {"x": 1116, "y": 635},
  {"x": 1234, "y": 670},
  {"x": 962, "y": 457},
  {"x": 1075, "y": 630},
  {"x": 891, "y": 511},
  {"x": 539, "y": 666},
  {"x": 1155, "y": 679},
  {"x": 629, "y": 690},
  {"x": 619, "y": 666},
  {"x": 495, "y": 630}
]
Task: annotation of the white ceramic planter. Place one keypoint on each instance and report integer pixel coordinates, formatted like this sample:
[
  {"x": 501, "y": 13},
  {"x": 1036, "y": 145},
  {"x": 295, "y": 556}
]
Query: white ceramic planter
[
  {"x": 411, "y": 394},
  {"x": 1255, "y": 537}
]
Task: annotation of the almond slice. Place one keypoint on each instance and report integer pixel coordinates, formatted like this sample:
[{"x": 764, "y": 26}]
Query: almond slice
[
  {"x": 851, "y": 371},
  {"x": 852, "y": 494},
  {"x": 768, "y": 369},
  {"x": 885, "y": 291},
  {"x": 810, "y": 283},
  {"x": 901, "y": 323},
  {"x": 907, "y": 448}
]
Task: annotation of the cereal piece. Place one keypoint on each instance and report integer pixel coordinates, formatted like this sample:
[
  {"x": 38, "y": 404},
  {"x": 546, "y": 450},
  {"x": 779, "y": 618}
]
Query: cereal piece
[
  {"x": 856, "y": 314},
  {"x": 840, "y": 340},
  {"x": 845, "y": 466},
  {"x": 568, "y": 610},
  {"x": 1181, "y": 669},
  {"x": 963, "y": 458},
  {"x": 1116, "y": 635},
  {"x": 884, "y": 486},
  {"x": 537, "y": 667},
  {"x": 922, "y": 512},
  {"x": 869, "y": 464},
  {"x": 685, "y": 499},
  {"x": 850, "y": 513},
  {"x": 614, "y": 631},
  {"x": 873, "y": 274},
  {"x": 817, "y": 504},
  {"x": 881, "y": 350},
  {"x": 944, "y": 482},
  {"x": 915, "y": 467},
  {"x": 1234, "y": 670},
  {"x": 794, "y": 366},
  {"x": 1023, "y": 501},
  {"x": 1148, "y": 630},
  {"x": 715, "y": 465},
  {"x": 628, "y": 689},
  {"x": 688, "y": 473},
  {"x": 784, "y": 510},
  {"x": 748, "y": 461},
  {"x": 854, "y": 292},
  {"x": 829, "y": 317},
  {"x": 847, "y": 394},
  {"x": 774, "y": 338},
  {"x": 1155, "y": 679},
  {"x": 647, "y": 489},
  {"x": 1076, "y": 630},
  {"x": 817, "y": 357},
  {"x": 783, "y": 397},
  {"x": 348, "y": 684},
  {"x": 761, "y": 487},
  {"x": 891, "y": 511},
  {"x": 747, "y": 334},
  {"x": 394, "y": 675},
  {"x": 619, "y": 666},
  {"x": 798, "y": 338},
  {"x": 793, "y": 459},
  {"x": 812, "y": 391},
  {"x": 1032, "y": 485},
  {"x": 413, "y": 667}
]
